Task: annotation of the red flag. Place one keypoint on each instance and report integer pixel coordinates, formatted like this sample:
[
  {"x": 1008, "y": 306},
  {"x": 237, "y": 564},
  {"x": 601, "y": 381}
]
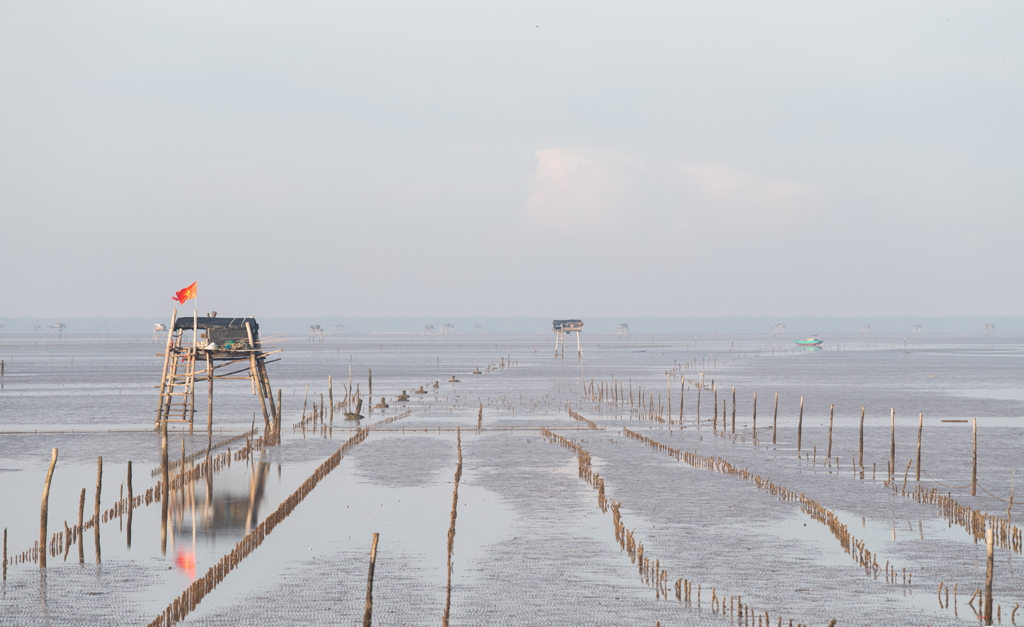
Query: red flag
[{"x": 188, "y": 293}]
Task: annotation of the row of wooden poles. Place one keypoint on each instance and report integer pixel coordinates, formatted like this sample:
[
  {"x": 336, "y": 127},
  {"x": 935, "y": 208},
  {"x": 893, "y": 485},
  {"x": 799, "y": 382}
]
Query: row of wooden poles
[
  {"x": 187, "y": 601},
  {"x": 1010, "y": 536},
  {"x": 180, "y": 608},
  {"x": 984, "y": 608},
  {"x": 61, "y": 541},
  {"x": 650, "y": 571},
  {"x": 851, "y": 544}
]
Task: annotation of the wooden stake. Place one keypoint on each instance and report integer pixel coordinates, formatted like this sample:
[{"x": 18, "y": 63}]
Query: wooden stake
[
  {"x": 131, "y": 504},
  {"x": 209, "y": 397},
  {"x": 974, "y": 460},
  {"x": 831, "y": 410},
  {"x": 43, "y": 515},
  {"x": 892, "y": 447},
  {"x": 369, "y": 584},
  {"x": 862, "y": 439},
  {"x": 775, "y": 418},
  {"x": 99, "y": 489},
  {"x": 989, "y": 541},
  {"x": 733, "y": 411},
  {"x": 800, "y": 428},
  {"x": 81, "y": 524},
  {"x": 755, "y": 416},
  {"x": 164, "y": 492},
  {"x": 330, "y": 395},
  {"x": 921, "y": 427}
]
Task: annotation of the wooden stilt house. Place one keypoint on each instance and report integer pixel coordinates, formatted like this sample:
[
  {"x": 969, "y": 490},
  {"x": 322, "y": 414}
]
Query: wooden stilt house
[{"x": 208, "y": 348}]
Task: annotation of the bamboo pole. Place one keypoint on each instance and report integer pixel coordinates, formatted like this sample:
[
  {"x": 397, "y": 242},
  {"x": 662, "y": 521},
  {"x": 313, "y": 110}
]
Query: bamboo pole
[
  {"x": 269, "y": 391},
  {"x": 755, "y": 416},
  {"x": 209, "y": 398},
  {"x": 974, "y": 459},
  {"x": 99, "y": 489},
  {"x": 682, "y": 391},
  {"x": 831, "y": 411},
  {"x": 989, "y": 541},
  {"x": 330, "y": 395},
  {"x": 81, "y": 526},
  {"x": 167, "y": 356},
  {"x": 775, "y": 418},
  {"x": 862, "y": 439},
  {"x": 733, "y": 411},
  {"x": 800, "y": 428},
  {"x": 367, "y": 616},
  {"x": 164, "y": 492},
  {"x": 892, "y": 446},
  {"x": 43, "y": 514},
  {"x": 369, "y": 382},
  {"x": 920, "y": 428},
  {"x": 131, "y": 504}
]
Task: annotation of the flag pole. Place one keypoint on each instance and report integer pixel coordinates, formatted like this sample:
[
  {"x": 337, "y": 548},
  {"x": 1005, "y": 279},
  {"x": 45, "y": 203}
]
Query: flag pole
[{"x": 195, "y": 320}]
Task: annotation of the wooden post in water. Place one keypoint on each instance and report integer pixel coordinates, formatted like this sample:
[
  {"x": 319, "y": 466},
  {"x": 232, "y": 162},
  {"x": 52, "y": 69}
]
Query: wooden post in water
[
  {"x": 989, "y": 541},
  {"x": 99, "y": 488},
  {"x": 733, "y": 411},
  {"x": 862, "y": 439},
  {"x": 81, "y": 531},
  {"x": 831, "y": 411},
  {"x": 330, "y": 395},
  {"x": 800, "y": 428},
  {"x": 715, "y": 423},
  {"x": 775, "y": 418},
  {"x": 43, "y": 515},
  {"x": 209, "y": 397},
  {"x": 920, "y": 428},
  {"x": 369, "y": 383},
  {"x": 131, "y": 504},
  {"x": 892, "y": 446},
  {"x": 699, "y": 386},
  {"x": 367, "y": 616},
  {"x": 668, "y": 385},
  {"x": 164, "y": 481},
  {"x": 682, "y": 389},
  {"x": 974, "y": 460},
  {"x": 755, "y": 416}
]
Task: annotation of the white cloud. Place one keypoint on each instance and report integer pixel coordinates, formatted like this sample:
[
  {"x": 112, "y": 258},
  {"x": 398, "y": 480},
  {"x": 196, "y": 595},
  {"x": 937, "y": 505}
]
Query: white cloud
[{"x": 610, "y": 193}]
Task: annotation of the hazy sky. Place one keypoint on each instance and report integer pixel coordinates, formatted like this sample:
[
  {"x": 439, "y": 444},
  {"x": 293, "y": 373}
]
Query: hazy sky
[{"x": 543, "y": 159}]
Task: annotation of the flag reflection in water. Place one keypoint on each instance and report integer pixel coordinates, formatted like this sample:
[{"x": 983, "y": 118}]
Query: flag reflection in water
[{"x": 186, "y": 561}]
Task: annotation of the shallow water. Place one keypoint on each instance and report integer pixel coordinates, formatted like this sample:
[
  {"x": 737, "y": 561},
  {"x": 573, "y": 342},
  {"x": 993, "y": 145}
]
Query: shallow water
[{"x": 531, "y": 544}]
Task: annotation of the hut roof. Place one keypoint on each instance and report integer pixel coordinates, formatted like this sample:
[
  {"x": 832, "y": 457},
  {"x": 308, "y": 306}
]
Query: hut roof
[{"x": 185, "y": 322}]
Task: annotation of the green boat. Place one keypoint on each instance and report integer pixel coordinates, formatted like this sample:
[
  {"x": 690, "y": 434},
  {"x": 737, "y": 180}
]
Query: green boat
[{"x": 811, "y": 341}]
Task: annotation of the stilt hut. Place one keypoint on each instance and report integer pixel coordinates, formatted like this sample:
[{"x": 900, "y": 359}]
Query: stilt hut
[
  {"x": 220, "y": 348},
  {"x": 565, "y": 327}
]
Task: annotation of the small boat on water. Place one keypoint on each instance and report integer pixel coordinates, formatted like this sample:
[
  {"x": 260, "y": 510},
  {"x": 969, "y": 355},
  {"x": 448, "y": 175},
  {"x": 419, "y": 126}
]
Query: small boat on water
[{"x": 811, "y": 341}]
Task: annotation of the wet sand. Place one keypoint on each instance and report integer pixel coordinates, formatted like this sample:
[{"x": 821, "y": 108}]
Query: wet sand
[{"x": 532, "y": 545}]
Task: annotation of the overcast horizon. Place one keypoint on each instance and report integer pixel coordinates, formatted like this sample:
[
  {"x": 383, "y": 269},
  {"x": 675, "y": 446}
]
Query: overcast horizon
[{"x": 526, "y": 159}]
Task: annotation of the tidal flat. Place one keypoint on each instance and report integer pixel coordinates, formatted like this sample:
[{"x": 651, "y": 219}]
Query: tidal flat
[{"x": 629, "y": 485}]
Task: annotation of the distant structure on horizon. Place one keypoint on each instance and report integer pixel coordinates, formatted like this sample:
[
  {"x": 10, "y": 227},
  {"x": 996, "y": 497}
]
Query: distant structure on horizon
[
  {"x": 316, "y": 334},
  {"x": 339, "y": 328},
  {"x": 565, "y": 327},
  {"x": 428, "y": 328},
  {"x": 622, "y": 330},
  {"x": 59, "y": 329},
  {"x": 447, "y": 329},
  {"x": 990, "y": 329},
  {"x": 865, "y": 328},
  {"x": 917, "y": 329},
  {"x": 779, "y": 329},
  {"x": 158, "y": 329}
]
